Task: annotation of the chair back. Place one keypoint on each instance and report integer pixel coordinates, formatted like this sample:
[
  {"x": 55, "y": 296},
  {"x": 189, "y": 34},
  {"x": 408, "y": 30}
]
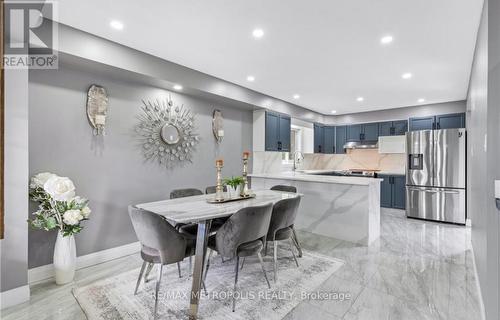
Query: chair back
[
  {"x": 283, "y": 216},
  {"x": 156, "y": 233},
  {"x": 246, "y": 225},
  {"x": 181, "y": 193},
  {"x": 213, "y": 189},
  {"x": 284, "y": 188}
]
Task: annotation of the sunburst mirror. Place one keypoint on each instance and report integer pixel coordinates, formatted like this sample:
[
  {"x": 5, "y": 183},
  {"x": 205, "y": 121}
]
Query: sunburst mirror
[{"x": 166, "y": 132}]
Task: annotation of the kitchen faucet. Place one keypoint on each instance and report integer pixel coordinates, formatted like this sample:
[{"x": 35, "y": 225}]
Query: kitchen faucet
[{"x": 297, "y": 157}]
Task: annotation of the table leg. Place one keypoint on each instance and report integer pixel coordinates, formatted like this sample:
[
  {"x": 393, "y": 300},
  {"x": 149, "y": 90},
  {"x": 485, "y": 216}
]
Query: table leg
[{"x": 201, "y": 244}]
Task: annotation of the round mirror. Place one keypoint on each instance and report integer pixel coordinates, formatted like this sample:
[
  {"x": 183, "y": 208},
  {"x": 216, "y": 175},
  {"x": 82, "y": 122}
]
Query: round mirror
[{"x": 170, "y": 134}]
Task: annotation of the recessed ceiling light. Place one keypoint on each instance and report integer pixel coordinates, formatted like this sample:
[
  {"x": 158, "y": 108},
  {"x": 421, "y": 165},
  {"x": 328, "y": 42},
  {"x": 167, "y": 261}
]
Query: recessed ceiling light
[
  {"x": 334, "y": 111},
  {"x": 360, "y": 99},
  {"x": 296, "y": 96},
  {"x": 421, "y": 100},
  {"x": 115, "y": 24},
  {"x": 258, "y": 33},
  {"x": 386, "y": 39},
  {"x": 406, "y": 75},
  {"x": 251, "y": 78},
  {"x": 177, "y": 87}
]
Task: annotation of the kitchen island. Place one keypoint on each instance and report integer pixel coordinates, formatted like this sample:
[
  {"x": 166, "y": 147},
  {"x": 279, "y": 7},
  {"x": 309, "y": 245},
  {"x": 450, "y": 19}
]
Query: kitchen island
[{"x": 346, "y": 208}]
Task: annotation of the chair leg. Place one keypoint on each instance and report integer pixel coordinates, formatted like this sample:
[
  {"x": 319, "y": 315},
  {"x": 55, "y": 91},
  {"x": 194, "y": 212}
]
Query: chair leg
[
  {"x": 158, "y": 281},
  {"x": 293, "y": 252},
  {"x": 140, "y": 277},
  {"x": 179, "y": 269},
  {"x": 275, "y": 243},
  {"x": 208, "y": 265},
  {"x": 237, "y": 265},
  {"x": 242, "y": 263},
  {"x": 148, "y": 271},
  {"x": 190, "y": 265},
  {"x": 265, "y": 248},
  {"x": 296, "y": 242},
  {"x": 263, "y": 269}
]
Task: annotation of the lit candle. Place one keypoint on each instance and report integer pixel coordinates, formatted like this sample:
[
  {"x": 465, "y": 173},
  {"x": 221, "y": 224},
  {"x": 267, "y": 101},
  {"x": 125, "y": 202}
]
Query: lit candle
[{"x": 246, "y": 154}]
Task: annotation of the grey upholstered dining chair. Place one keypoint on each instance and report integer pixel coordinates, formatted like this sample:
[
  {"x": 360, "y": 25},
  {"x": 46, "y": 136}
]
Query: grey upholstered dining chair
[
  {"x": 188, "y": 192},
  {"x": 242, "y": 235},
  {"x": 161, "y": 244},
  {"x": 295, "y": 238},
  {"x": 280, "y": 227},
  {"x": 213, "y": 189}
]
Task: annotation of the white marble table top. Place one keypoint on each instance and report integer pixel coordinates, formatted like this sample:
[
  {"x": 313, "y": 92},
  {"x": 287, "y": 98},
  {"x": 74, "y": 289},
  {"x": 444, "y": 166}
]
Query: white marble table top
[
  {"x": 304, "y": 176},
  {"x": 196, "y": 208}
]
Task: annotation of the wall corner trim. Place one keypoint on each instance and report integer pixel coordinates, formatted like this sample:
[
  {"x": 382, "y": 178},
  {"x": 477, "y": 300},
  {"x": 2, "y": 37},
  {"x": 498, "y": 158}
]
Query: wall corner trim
[
  {"x": 47, "y": 271},
  {"x": 478, "y": 285},
  {"x": 14, "y": 296}
]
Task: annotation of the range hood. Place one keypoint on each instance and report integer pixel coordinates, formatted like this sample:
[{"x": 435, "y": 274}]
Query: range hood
[{"x": 361, "y": 145}]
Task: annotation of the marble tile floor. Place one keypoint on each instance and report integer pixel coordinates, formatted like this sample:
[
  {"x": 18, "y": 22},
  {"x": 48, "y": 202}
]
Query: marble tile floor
[{"x": 416, "y": 270}]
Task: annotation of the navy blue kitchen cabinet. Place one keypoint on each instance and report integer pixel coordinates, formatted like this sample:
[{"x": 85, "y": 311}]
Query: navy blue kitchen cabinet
[
  {"x": 319, "y": 136},
  {"x": 443, "y": 121},
  {"x": 385, "y": 191},
  {"x": 340, "y": 139},
  {"x": 422, "y": 123},
  {"x": 369, "y": 132},
  {"x": 353, "y": 132},
  {"x": 393, "y": 128},
  {"x": 399, "y": 192},
  {"x": 393, "y": 191},
  {"x": 450, "y": 121},
  {"x": 329, "y": 139},
  {"x": 277, "y": 133}
]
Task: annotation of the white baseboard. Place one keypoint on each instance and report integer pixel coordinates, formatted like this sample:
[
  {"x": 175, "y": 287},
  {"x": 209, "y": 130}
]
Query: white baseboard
[
  {"x": 15, "y": 296},
  {"x": 47, "y": 271}
]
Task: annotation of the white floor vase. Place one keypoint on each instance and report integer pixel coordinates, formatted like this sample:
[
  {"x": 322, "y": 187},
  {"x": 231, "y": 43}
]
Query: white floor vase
[{"x": 64, "y": 258}]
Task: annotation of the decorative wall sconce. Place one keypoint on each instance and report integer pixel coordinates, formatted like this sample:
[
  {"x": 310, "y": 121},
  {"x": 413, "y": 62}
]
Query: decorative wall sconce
[
  {"x": 217, "y": 125},
  {"x": 97, "y": 108},
  {"x": 166, "y": 132}
]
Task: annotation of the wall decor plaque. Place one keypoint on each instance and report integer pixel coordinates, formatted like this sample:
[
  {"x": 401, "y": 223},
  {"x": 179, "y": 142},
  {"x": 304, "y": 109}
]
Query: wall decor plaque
[
  {"x": 166, "y": 132},
  {"x": 97, "y": 108},
  {"x": 217, "y": 125}
]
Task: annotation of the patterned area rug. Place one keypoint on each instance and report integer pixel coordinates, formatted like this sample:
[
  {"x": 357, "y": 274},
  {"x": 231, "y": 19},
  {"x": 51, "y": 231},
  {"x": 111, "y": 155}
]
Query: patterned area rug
[{"x": 113, "y": 298}]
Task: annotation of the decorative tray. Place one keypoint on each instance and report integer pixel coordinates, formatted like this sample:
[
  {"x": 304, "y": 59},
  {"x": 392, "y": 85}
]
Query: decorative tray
[{"x": 212, "y": 200}]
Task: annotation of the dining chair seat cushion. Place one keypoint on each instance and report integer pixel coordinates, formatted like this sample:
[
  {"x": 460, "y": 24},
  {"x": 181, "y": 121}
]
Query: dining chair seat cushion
[
  {"x": 281, "y": 234},
  {"x": 152, "y": 255}
]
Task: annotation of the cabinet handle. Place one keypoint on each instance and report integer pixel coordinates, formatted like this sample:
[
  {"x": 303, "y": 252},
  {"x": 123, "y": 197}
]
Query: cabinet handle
[
  {"x": 319, "y": 148},
  {"x": 333, "y": 149},
  {"x": 279, "y": 145}
]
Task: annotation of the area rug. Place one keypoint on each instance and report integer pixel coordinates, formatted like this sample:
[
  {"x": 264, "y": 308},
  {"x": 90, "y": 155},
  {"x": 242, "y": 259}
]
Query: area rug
[{"x": 113, "y": 298}]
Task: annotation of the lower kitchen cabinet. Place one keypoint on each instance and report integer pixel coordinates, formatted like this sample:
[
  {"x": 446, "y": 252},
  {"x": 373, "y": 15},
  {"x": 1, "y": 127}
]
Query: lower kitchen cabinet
[{"x": 393, "y": 191}]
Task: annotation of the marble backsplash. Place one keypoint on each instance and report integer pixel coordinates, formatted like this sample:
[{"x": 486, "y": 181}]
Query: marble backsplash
[{"x": 269, "y": 162}]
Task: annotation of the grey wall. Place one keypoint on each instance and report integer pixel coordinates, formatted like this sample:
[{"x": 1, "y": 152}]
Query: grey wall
[
  {"x": 484, "y": 133},
  {"x": 110, "y": 170},
  {"x": 14, "y": 246},
  {"x": 398, "y": 113}
]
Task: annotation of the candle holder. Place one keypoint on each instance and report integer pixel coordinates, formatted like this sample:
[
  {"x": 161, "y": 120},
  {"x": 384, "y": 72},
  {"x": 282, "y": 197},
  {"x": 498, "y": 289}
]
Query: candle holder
[
  {"x": 245, "y": 192},
  {"x": 219, "y": 190}
]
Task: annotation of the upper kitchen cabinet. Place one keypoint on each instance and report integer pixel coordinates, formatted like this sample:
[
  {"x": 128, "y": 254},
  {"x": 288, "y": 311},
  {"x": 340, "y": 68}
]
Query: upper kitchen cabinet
[
  {"x": 271, "y": 131},
  {"x": 361, "y": 132},
  {"x": 353, "y": 132},
  {"x": 340, "y": 139},
  {"x": 329, "y": 139},
  {"x": 319, "y": 136},
  {"x": 444, "y": 121},
  {"x": 450, "y": 121},
  {"x": 393, "y": 128}
]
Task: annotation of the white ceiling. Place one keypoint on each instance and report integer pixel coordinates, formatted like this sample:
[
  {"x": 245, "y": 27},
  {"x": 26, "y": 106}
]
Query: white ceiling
[{"x": 328, "y": 52}]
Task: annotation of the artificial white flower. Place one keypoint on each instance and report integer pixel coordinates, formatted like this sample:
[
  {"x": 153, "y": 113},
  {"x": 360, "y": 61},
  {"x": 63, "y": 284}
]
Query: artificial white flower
[
  {"x": 86, "y": 212},
  {"x": 40, "y": 179},
  {"x": 78, "y": 200},
  {"x": 72, "y": 217},
  {"x": 60, "y": 188}
]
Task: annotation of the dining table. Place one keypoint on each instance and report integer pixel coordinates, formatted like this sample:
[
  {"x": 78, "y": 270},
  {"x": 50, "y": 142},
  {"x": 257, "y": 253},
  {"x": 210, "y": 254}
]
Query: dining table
[{"x": 199, "y": 210}]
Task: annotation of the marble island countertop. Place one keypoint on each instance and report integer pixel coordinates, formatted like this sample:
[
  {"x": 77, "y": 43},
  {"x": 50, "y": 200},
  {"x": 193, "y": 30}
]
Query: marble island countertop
[{"x": 312, "y": 176}]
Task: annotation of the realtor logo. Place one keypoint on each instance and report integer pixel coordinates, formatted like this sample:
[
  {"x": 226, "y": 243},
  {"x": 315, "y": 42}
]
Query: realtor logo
[{"x": 30, "y": 35}]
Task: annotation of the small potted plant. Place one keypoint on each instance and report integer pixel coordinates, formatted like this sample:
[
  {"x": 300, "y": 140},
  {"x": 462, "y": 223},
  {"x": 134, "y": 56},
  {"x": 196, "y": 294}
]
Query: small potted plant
[
  {"x": 233, "y": 186},
  {"x": 59, "y": 208}
]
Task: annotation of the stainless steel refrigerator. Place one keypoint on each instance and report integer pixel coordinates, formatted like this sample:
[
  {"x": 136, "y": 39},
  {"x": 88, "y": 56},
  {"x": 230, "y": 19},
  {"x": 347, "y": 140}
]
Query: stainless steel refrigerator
[{"x": 435, "y": 177}]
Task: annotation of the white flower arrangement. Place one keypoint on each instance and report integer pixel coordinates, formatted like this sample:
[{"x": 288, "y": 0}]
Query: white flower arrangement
[{"x": 58, "y": 208}]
